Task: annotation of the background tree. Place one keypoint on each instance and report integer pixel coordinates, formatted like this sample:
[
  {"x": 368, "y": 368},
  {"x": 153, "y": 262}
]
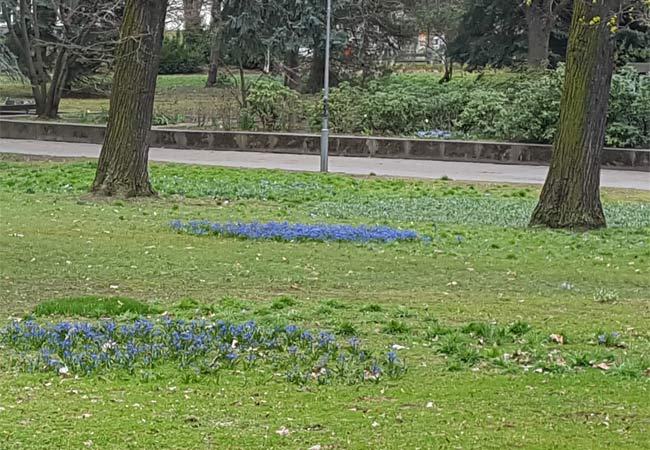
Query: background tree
[
  {"x": 541, "y": 18},
  {"x": 58, "y": 41},
  {"x": 192, "y": 21},
  {"x": 369, "y": 31},
  {"x": 491, "y": 33},
  {"x": 123, "y": 162},
  {"x": 246, "y": 34},
  {"x": 571, "y": 195},
  {"x": 216, "y": 38},
  {"x": 440, "y": 19}
]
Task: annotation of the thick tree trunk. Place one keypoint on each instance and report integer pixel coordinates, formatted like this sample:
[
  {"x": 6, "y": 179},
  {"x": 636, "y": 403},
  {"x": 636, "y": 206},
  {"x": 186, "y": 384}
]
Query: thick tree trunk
[
  {"x": 215, "y": 44},
  {"x": 571, "y": 195},
  {"x": 540, "y": 24},
  {"x": 123, "y": 162},
  {"x": 291, "y": 75}
]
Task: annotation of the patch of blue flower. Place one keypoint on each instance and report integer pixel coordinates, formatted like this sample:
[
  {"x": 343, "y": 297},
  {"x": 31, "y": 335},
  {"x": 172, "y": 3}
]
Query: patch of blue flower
[
  {"x": 434, "y": 134},
  {"x": 284, "y": 231},
  {"x": 298, "y": 355}
]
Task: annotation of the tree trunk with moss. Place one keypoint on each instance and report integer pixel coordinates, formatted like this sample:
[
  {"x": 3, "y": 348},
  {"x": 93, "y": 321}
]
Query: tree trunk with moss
[
  {"x": 571, "y": 195},
  {"x": 123, "y": 162}
]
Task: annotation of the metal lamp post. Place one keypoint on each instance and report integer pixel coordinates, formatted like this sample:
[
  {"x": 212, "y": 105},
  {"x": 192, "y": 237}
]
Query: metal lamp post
[{"x": 325, "y": 132}]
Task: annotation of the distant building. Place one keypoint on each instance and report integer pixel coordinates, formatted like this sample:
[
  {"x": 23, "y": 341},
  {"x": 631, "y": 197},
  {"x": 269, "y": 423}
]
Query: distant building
[{"x": 423, "y": 48}]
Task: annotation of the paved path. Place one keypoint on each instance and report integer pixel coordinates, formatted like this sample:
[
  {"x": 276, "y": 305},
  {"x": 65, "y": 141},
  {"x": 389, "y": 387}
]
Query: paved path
[{"x": 356, "y": 166}]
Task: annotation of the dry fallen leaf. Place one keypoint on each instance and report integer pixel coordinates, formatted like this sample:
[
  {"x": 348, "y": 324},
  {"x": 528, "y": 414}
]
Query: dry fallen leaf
[
  {"x": 602, "y": 366},
  {"x": 557, "y": 338}
]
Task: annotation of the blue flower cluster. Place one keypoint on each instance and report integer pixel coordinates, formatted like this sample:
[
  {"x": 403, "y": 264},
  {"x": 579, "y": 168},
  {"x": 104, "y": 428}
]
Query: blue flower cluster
[
  {"x": 284, "y": 231},
  {"x": 434, "y": 134},
  {"x": 84, "y": 348}
]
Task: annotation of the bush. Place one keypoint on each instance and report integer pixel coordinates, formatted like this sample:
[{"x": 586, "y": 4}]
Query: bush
[
  {"x": 523, "y": 107},
  {"x": 176, "y": 57},
  {"x": 533, "y": 110},
  {"x": 629, "y": 110},
  {"x": 272, "y": 105},
  {"x": 483, "y": 114}
]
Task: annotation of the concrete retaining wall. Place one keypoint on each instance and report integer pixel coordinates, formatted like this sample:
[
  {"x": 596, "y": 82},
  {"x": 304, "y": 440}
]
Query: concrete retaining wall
[{"x": 360, "y": 146}]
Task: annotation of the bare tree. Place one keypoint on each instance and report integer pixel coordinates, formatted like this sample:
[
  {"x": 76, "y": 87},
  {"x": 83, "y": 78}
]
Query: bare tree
[
  {"x": 192, "y": 13},
  {"x": 51, "y": 38},
  {"x": 123, "y": 162}
]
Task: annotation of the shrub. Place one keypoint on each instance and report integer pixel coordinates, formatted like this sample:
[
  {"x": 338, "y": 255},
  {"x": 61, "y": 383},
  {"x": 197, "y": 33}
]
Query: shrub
[
  {"x": 346, "y": 114},
  {"x": 273, "y": 105},
  {"x": 522, "y": 107},
  {"x": 176, "y": 57},
  {"x": 484, "y": 114},
  {"x": 629, "y": 110}
]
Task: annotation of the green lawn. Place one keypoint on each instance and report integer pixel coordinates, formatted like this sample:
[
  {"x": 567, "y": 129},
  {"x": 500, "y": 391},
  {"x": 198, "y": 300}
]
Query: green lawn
[{"x": 453, "y": 304}]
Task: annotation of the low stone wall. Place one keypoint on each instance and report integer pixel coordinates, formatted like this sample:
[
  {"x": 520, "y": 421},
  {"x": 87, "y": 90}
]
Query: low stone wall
[{"x": 309, "y": 144}]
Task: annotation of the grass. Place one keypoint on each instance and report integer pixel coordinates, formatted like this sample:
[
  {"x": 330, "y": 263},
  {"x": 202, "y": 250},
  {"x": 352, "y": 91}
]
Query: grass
[
  {"x": 179, "y": 98},
  {"x": 458, "y": 306},
  {"x": 92, "y": 307}
]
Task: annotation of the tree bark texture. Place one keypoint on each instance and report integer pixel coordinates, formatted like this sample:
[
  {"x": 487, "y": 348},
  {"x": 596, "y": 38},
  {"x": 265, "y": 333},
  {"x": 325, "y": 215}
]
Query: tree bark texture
[
  {"x": 571, "y": 195},
  {"x": 540, "y": 25},
  {"x": 317, "y": 72},
  {"x": 123, "y": 163},
  {"x": 215, "y": 43}
]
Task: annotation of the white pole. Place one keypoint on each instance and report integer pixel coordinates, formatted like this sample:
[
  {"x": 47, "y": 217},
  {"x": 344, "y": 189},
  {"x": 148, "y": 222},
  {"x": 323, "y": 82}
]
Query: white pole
[{"x": 325, "y": 132}]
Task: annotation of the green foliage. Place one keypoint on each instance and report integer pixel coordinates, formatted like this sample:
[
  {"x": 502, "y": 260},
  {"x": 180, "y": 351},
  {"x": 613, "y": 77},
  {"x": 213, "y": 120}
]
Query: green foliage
[
  {"x": 272, "y": 105},
  {"x": 483, "y": 114},
  {"x": 491, "y": 34},
  {"x": 519, "y": 107},
  {"x": 93, "y": 307},
  {"x": 162, "y": 119},
  {"x": 396, "y": 327},
  {"x": 178, "y": 57},
  {"x": 629, "y": 111},
  {"x": 283, "y": 302}
]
